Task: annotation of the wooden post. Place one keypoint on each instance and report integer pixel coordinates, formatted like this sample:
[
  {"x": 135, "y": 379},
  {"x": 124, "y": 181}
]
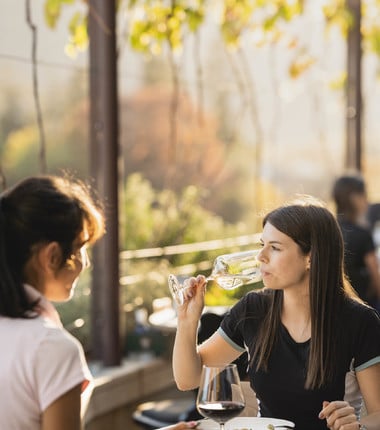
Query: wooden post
[
  {"x": 354, "y": 98},
  {"x": 104, "y": 168}
]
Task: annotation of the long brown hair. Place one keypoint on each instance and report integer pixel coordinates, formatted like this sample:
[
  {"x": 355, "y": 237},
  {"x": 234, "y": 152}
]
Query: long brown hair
[{"x": 316, "y": 231}]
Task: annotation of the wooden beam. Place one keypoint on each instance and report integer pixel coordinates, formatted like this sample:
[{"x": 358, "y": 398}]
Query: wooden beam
[
  {"x": 104, "y": 168},
  {"x": 353, "y": 158}
]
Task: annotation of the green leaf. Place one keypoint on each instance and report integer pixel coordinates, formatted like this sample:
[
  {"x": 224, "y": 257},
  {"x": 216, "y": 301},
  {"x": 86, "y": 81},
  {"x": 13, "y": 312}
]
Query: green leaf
[
  {"x": 194, "y": 18},
  {"x": 78, "y": 33},
  {"x": 52, "y": 11}
]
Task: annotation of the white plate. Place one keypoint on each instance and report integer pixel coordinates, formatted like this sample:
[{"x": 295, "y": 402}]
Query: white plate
[{"x": 249, "y": 423}]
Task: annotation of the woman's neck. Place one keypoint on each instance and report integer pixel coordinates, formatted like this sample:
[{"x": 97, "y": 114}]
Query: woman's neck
[{"x": 295, "y": 315}]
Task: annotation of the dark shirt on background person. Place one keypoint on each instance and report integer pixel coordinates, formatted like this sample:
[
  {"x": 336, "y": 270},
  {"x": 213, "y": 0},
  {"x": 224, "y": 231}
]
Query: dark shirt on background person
[
  {"x": 358, "y": 243},
  {"x": 373, "y": 215}
]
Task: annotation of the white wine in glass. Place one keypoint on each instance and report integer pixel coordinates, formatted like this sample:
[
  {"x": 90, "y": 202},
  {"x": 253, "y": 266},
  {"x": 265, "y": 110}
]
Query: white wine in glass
[
  {"x": 220, "y": 396},
  {"x": 229, "y": 271}
]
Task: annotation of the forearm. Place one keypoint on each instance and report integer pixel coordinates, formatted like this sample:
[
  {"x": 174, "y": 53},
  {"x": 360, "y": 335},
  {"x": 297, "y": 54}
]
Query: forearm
[
  {"x": 187, "y": 363},
  {"x": 64, "y": 413}
]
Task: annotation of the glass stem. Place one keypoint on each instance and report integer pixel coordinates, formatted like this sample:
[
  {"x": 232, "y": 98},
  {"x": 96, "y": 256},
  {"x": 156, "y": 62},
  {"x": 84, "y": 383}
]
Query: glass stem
[{"x": 221, "y": 426}]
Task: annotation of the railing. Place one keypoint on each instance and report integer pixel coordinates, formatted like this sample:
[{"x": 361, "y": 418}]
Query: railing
[{"x": 211, "y": 245}]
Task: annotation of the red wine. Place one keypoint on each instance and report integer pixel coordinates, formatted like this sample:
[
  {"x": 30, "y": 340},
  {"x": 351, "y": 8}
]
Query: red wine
[{"x": 221, "y": 412}]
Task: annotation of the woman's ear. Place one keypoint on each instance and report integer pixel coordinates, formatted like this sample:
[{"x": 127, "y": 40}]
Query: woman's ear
[
  {"x": 51, "y": 256},
  {"x": 43, "y": 265},
  {"x": 308, "y": 261}
]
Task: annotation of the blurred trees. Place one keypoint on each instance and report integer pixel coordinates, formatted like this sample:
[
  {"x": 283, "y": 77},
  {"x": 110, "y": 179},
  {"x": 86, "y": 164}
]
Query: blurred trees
[
  {"x": 169, "y": 29},
  {"x": 12, "y": 117},
  {"x": 201, "y": 158},
  {"x": 67, "y": 148},
  {"x": 65, "y": 118},
  {"x": 202, "y": 142},
  {"x": 200, "y": 154},
  {"x": 152, "y": 218}
]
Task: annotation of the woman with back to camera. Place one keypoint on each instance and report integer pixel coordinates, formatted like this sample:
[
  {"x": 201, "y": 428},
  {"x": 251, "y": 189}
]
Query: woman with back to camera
[
  {"x": 314, "y": 346},
  {"x": 46, "y": 224},
  {"x": 361, "y": 264}
]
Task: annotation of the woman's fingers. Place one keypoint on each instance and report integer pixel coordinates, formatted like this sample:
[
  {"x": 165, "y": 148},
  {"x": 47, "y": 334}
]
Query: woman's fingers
[
  {"x": 339, "y": 415},
  {"x": 192, "y": 284}
]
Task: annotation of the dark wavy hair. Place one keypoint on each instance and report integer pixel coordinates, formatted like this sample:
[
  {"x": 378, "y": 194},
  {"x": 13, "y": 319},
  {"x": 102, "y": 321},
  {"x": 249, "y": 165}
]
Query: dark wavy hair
[
  {"x": 39, "y": 210},
  {"x": 316, "y": 231}
]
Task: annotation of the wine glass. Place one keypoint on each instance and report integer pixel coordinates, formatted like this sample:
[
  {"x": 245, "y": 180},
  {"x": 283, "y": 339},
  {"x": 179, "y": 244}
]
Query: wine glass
[
  {"x": 220, "y": 396},
  {"x": 229, "y": 271}
]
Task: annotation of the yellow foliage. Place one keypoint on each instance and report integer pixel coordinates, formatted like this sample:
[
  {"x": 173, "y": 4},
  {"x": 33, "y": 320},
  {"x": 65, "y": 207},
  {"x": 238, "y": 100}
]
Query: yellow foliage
[
  {"x": 300, "y": 65},
  {"x": 339, "y": 82},
  {"x": 371, "y": 34},
  {"x": 71, "y": 50},
  {"x": 337, "y": 14},
  {"x": 18, "y": 145}
]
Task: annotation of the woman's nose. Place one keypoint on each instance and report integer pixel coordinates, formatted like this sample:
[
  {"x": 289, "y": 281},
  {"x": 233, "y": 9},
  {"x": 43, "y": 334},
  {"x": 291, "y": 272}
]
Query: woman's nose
[{"x": 261, "y": 256}]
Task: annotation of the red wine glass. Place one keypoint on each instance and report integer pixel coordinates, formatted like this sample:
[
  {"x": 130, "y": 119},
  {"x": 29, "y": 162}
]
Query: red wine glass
[{"x": 220, "y": 396}]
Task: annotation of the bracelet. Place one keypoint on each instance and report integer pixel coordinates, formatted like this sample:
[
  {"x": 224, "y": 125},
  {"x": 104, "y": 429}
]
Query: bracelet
[{"x": 362, "y": 427}]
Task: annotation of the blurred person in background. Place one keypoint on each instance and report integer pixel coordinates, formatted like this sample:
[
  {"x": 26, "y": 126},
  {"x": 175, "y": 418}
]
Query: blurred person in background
[
  {"x": 46, "y": 224},
  {"x": 361, "y": 262}
]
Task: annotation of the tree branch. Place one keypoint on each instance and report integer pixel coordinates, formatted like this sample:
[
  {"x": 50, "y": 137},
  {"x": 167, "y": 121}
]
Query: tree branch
[{"x": 33, "y": 28}]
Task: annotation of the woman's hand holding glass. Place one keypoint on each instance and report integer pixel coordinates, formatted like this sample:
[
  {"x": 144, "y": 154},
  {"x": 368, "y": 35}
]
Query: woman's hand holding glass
[
  {"x": 194, "y": 289},
  {"x": 229, "y": 271}
]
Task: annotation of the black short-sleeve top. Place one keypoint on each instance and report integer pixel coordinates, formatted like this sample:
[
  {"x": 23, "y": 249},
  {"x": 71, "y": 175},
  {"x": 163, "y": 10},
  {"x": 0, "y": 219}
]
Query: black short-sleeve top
[
  {"x": 358, "y": 242},
  {"x": 280, "y": 391}
]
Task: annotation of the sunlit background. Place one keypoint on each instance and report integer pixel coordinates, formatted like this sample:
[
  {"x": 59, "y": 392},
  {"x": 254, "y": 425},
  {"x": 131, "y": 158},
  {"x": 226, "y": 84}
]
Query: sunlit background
[{"x": 258, "y": 119}]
